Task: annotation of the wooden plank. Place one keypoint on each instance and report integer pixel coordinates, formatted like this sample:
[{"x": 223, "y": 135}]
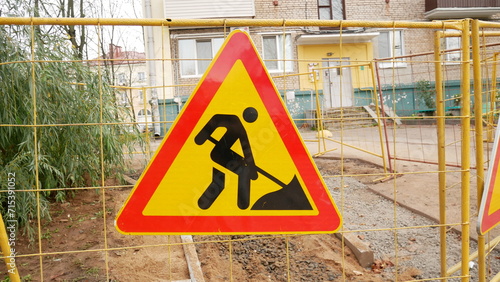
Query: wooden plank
[
  {"x": 194, "y": 265},
  {"x": 390, "y": 113},
  {"x": 372, "y": 113}
]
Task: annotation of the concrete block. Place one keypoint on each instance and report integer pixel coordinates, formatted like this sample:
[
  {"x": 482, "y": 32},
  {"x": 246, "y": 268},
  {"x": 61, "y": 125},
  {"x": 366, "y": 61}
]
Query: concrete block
[{"x": 361, "y": 250}]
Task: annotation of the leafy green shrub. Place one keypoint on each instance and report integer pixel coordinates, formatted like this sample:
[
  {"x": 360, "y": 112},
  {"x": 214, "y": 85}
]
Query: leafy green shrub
[
  {"x": 76, "y": 139},
  {"x": 426, "y": 93}
]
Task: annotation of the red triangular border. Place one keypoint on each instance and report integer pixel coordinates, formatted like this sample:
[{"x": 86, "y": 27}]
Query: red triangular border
[
  {"x": 487, "y": 221},
  {"x": 238, "y": 46}
]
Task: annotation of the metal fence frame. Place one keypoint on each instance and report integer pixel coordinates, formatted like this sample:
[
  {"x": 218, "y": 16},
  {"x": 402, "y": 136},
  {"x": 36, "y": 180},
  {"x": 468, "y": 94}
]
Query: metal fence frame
[{"x": 468, "y": 30}]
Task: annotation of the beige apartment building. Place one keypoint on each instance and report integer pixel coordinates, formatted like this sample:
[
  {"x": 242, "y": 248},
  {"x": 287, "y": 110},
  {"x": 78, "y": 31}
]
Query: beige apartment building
[
  {"x": 128, "y": 72},
  {"x": 297, "y": 50}
]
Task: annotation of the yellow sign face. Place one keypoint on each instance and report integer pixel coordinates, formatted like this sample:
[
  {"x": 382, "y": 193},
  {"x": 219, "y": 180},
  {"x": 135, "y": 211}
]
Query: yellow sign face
[
  {"x": 187, "y": 170},
  {"x": 495, "y": 199},
  {"x": 232, "y": 163}
]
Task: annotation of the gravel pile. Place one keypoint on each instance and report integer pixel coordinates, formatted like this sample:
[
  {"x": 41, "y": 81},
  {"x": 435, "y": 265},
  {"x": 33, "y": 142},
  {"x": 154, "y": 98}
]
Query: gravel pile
[
  {"x": 406, "y": 245},
  {"x": 414, "y": 246}
]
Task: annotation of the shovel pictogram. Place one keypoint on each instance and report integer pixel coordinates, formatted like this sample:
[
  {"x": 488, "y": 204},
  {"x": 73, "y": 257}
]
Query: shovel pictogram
[{"x": 291, "y": 196}]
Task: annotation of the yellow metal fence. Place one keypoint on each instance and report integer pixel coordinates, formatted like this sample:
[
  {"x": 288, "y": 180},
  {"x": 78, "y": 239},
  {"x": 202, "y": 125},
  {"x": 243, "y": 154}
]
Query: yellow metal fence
[{"x": 388, "y": 157}]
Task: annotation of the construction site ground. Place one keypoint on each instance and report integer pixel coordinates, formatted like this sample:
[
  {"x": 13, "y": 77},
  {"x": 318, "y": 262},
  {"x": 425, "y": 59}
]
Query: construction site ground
[{"x": 358, "y": 184}]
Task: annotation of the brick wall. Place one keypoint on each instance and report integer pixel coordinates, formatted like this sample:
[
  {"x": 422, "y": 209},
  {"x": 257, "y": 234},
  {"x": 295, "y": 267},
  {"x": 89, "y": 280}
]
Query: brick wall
[
  {"x": 416, "y": 41},
  {"x": 264, "y": 9},
  {"x": 286, "y": 9},
  {"x": 187, "y": 85},
  {"x": 379, "y": 10}
]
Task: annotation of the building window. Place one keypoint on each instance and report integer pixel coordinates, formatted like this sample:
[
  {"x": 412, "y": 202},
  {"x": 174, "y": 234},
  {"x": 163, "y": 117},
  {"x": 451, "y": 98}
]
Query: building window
[
  {"x": 124, "y": 98},
  {"x": 143, "y": 119},
  {"x": 331, "y": 9},
  {"x": 451, "y": 43},
  {"x": 141, "y": 97},
  {"x": 121, "y": 78},
  {"x": 141, "y": 112},
  {"x": 141, "y": 76},
  {"x": 196, "y": 55},
  {"x": 275, "y": 58},
  {"x": 390, "y": 45}
]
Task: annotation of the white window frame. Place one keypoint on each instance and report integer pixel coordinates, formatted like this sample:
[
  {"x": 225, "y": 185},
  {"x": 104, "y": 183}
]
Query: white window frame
[
  {"x": 140, "y": 96},
  {"x": 141, "y": 76},
  {"x": 189, "y": 60},
  {"x": 396, "y": 48},
  {"x": 280, "y": 63},
  {"x": 333, "y": 12},
  {"x": 454, "y": 57},
  {"x": 124, "y": 99},
  {"x": 141, "y": 113},
  {"x": 121, "y": 78}
]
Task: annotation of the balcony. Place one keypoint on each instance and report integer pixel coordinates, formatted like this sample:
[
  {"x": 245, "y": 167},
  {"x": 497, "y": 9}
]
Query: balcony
[
  {"x": 208, "y": 9},
  {"x": 459, "y": 9}
]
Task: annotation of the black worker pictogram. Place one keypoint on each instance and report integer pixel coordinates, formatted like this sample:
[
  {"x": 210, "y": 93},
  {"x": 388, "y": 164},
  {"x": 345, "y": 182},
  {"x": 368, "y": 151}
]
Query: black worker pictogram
[{"x": 290, "y": 197}]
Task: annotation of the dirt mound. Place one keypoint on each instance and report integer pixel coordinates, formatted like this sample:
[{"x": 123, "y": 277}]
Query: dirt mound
[
  {"x": 72, "y": 241},
  {"x": 275, "y": 258}
]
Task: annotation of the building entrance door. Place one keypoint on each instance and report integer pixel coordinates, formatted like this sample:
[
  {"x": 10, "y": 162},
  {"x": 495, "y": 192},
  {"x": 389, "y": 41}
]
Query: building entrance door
[{"x": 337, "y": 83}]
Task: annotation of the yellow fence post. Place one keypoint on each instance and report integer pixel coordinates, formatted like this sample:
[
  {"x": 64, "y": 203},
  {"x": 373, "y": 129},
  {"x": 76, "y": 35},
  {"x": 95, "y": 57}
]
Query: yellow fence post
[
  {"x": 319, "y": 118},
  {"x": 478, "y": 123},
  {"x": 8, "y": 256},
  {"x": 465, "y": 151},
  {"x": 440, "y": 112},
  {"x": 379, "y": 120},
  {"x": 491, "y": 115}
]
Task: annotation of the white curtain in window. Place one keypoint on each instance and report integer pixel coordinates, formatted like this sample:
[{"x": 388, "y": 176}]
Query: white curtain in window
[
  {"x": 384, "y": 45},
  {"x": 196, "y": 54},
  {"x": 330, "y": 10},
  {"x": 285, "y": 64},
  {"x": 203, "y": 54},
  {"x": 216, "y": 44},
  {"x": 270, "y": 52},
  {"x": 390, "y": 44},
  {"x": 187, "y": 51},
  {"x": 453, "y": 43},
  {"x": 273, "y": 53},
  {"x": 324, "y": 13},
  {"x": 337, "y": 10},
  {"x": 397, "y": 43}
]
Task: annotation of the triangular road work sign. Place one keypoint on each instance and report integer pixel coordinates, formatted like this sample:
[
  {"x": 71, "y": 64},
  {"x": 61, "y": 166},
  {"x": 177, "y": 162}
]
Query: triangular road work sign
[
  {"x": 489, "y": 211},
  {"x": 232, "y": 163}
]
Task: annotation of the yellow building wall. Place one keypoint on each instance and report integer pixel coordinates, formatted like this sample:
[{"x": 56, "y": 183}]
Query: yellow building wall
[{"x": 360, "y": 55}]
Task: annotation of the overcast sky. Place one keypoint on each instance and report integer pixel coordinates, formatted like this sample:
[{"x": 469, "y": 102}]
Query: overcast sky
[{"x": 129, "y": 37}]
